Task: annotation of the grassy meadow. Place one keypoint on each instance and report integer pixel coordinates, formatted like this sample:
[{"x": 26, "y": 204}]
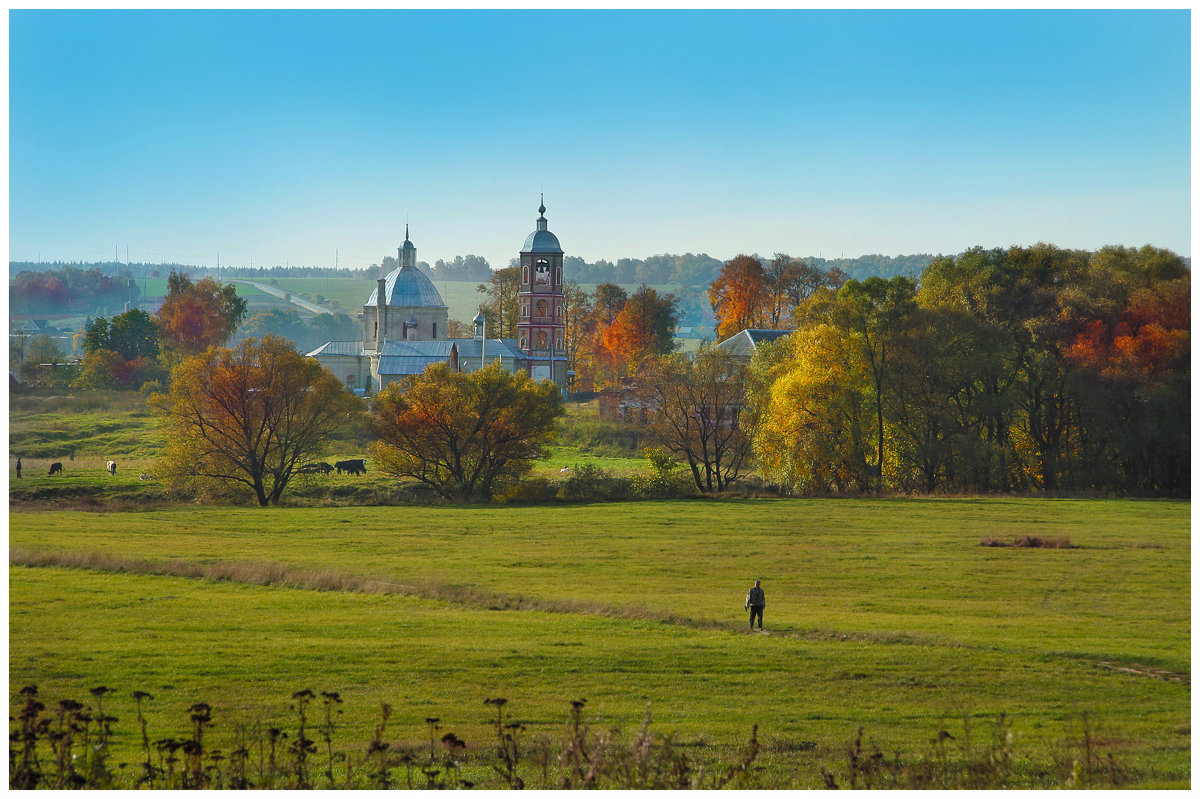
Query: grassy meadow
[{"x": 884, "y": 614}]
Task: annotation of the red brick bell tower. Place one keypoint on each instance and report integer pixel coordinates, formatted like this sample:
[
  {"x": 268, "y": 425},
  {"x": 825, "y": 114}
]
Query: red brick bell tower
[{"x": 541, "y": 325}]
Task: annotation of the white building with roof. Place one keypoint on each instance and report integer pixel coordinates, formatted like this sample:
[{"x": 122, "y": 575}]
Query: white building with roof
[{"x": 404, "y": 327}]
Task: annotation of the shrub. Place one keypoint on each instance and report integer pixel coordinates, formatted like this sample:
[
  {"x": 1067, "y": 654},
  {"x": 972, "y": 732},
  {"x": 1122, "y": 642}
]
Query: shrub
[
  {"x": 1029, "y": 541},
  {"x": 664, "y": 479},
  {"x": 590, "y": 482},
  {"x": 536, "y": 489}
]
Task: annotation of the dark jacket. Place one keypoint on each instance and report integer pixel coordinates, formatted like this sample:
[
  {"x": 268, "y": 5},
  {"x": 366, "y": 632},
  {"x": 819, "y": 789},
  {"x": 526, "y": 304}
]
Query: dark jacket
[{"x": 757, "y": 597}]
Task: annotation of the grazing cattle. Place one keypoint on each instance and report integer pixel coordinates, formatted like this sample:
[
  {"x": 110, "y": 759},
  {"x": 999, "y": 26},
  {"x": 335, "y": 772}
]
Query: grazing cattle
[
  {"x": 315, "y": 468},
  {"x": 325, "y": 468},
  {"x": 356, "y": 466},
  {"x": 55, "y": 468},
  {"x": 144, "y": 476},
  {"x": 112, "y": 468},
  {"x": 564, "y": 470}
]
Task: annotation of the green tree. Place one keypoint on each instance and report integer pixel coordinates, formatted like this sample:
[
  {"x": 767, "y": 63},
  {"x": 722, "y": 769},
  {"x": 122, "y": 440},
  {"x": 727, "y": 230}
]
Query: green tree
[
  {"x": 872, "y": 312},
  {"x": 249, "y": 417},
  {"x": 465, "y": 435},
  {"x": 502, "y": 306},
  {"x": 120, "y": 353}
]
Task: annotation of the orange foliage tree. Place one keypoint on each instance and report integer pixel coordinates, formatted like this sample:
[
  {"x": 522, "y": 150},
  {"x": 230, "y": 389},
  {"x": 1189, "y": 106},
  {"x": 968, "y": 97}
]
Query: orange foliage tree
[
  {"x": 249, "y": 417},
  {"x": 462, "y": 434},
  {"x": 196, "y": 316},
  {"x": 739, "y": 296},
  {"x": 644, "y": 326}
]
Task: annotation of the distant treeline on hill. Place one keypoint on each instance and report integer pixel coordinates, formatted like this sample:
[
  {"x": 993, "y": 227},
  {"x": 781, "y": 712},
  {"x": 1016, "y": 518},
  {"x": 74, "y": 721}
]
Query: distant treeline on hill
[{"x": 688, "y": 269}]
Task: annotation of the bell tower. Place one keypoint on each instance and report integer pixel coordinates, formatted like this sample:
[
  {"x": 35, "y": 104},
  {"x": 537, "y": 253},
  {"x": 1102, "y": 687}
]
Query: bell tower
[{"x": 541, "y": 324}]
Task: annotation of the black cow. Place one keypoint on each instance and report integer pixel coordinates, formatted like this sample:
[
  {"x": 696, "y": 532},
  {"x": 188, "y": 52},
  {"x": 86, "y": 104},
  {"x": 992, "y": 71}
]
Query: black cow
[
  {"x": 112, "y": 467},
  {"x": 356, "y": 466},
  {"x": 55, "y": 468},
  {"x": 315, "y": 468}
]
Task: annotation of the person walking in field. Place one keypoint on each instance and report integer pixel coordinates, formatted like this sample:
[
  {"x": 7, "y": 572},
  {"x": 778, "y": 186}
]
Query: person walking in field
[
  {"x": 756, "y": 600},
  {"x": 18, "y": 468}
]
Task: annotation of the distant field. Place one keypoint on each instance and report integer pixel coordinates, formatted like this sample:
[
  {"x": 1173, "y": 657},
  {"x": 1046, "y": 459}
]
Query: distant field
[{"x": 883, "y": 614}]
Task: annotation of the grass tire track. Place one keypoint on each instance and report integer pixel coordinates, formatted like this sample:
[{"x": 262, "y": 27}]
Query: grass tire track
[{"x": 261, "y": 573}]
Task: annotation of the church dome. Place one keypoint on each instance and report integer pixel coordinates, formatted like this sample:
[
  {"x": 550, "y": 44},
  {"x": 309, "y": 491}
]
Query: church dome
[
  {"x": 408, "y": 287},
  {"x": 542, "y": 240}
]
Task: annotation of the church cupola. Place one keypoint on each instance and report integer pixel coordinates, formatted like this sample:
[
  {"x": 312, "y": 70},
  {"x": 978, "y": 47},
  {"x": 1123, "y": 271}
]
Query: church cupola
[{"x": 407, "y": 252}]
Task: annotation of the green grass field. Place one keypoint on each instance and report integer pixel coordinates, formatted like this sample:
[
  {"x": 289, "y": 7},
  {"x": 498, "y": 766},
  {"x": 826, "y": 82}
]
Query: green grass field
[{"x": 885, "y": 614}]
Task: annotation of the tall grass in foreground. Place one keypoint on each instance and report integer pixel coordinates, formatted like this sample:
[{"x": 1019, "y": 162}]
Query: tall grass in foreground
[{"x": 67, "y": 745}]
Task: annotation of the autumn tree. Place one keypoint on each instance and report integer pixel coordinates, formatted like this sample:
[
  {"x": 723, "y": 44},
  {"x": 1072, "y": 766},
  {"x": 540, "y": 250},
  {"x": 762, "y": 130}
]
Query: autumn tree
[
  {"x": 196, "y": 316},
  {"x": 696, "y": 413},
  {"x": 644, "y": 326},
  {"x": 739, "y": 296},
  {"x": 810, "y": 400},
  {"x": 502, "y": 306},
  {"x": 596, "y": 366},
  {"x": 249, "y": 417},
  {"x": 464, "y": 434}
]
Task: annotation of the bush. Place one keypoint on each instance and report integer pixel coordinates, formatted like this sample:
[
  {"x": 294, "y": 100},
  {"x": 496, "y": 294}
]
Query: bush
[
  {"x": 536, "y": 489},
  {"x": 664, "y": 479},
  {"x": 1029, "y": 541},
  {"x": 590, "y": 482}
]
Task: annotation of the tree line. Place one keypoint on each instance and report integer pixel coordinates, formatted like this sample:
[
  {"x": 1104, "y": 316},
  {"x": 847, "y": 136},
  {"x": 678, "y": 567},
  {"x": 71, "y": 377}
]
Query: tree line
[
  {"x": 1005, "y": 370},
  {"x": 998, "y": 371},
  {"x": 69, "y": 289}
]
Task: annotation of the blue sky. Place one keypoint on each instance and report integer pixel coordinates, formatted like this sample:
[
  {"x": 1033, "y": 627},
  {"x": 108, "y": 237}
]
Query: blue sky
[{"x": 286, "y": 136}]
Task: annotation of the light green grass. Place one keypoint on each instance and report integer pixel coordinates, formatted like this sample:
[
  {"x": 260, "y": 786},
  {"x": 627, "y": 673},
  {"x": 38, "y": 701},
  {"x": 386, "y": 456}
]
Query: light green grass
[{"x": 884, "y": 614}]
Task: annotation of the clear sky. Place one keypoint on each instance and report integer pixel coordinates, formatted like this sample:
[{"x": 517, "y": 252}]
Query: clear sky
[{"x": 288, "y": 136}]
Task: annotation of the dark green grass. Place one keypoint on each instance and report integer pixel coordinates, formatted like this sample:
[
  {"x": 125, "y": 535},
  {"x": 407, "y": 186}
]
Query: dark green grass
[{"x": 883, "y": 614}]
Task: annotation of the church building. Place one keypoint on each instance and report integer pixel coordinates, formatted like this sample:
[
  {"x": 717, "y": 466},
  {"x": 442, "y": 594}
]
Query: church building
[{"x": 405, "y": 325}]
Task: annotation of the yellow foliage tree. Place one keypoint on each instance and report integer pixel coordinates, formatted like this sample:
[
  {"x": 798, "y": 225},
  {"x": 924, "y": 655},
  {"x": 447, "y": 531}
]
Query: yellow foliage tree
[{"x": 813, "y": 429}]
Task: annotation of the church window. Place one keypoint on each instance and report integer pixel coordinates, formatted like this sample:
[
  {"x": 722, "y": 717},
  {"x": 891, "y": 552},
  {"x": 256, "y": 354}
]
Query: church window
[
  {"x": 350, "y": 381},
  {"x": 524, "y": 274},
  {"x": 558, "y": 276},
  {"x": 524, "y": 309},
  {"x": 541, "y": 340},
  {"x": 435, "y": 331},
  {"x": 542, "y": 308},
  {"x": 524, "y": 342}
]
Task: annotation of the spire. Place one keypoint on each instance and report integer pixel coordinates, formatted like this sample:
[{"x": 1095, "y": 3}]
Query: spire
[
  {"x": 407, "y": 253},
  {"x": 541, "y": 222}
]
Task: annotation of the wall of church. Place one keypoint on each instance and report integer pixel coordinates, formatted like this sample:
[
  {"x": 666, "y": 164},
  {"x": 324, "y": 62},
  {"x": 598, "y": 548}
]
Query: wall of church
[{"x": 431, "y": 324}]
